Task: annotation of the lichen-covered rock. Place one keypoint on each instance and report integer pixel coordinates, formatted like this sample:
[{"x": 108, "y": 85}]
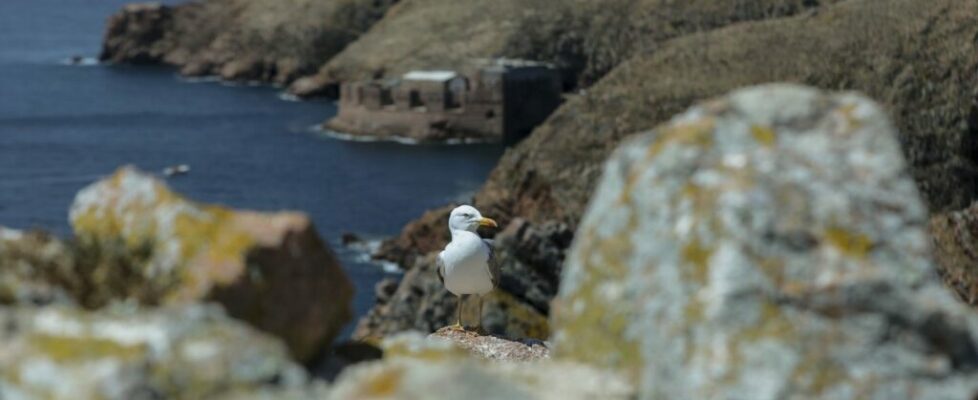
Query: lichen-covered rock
[
  {"x": 416, "y": 367},
  {"x": 495, "y": 347},
  {"x": 60, "y": 352},
  {"x": 35, "y": 268},
  {"x": 768, "y": 244},
  {"x": 956, "y": 245},
  {"x": 271, "y": 270}
]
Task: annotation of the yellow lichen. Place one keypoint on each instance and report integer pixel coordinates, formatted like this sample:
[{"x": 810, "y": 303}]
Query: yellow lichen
[
  {"x": 67, "y": 349},
  {"x": 763, "y": 135},
  {"x": 596, "y": 333},
  {"x": 698, "y": 256},
  {"x": 696, "y": 133},
  {"x": 852, "y": 244},
  {"x": 383, "y": 384}
]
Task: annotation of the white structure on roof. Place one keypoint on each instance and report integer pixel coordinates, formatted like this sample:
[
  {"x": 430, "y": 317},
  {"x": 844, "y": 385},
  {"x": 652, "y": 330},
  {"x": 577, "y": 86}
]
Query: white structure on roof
[{"x": 437, "y": 76}]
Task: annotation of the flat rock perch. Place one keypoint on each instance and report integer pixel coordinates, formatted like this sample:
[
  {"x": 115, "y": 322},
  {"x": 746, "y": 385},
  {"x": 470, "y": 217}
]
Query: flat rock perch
[{"x": 495, "y": 347}]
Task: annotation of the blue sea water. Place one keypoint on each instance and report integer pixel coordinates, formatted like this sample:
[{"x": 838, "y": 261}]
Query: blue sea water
[{"x": 64, "y": 126}]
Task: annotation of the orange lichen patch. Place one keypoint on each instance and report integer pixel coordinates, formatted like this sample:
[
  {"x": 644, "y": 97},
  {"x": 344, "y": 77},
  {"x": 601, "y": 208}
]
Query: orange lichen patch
[
  {"x": 849, "y": 243},
  {"x": 696, "y": 133},
  {"x": 383, "y": 384},
  {"x": 763, "y": 135}
]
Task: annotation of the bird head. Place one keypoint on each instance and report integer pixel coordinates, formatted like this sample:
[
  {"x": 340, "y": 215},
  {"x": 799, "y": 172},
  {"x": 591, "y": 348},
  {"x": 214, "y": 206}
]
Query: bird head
[{"x": 467, "y": 218}]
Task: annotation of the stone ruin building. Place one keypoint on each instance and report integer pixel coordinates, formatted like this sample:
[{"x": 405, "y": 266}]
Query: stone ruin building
[{"x": 499, "y": 100}]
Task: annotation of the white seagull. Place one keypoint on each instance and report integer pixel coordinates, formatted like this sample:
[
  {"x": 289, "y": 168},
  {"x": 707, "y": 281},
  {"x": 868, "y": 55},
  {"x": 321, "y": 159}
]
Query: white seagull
[{"x": 467, "y": 266}]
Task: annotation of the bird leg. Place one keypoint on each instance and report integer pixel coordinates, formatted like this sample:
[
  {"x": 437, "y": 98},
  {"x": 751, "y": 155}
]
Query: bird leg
[
  {"x": 478, "y": 327},
  {"x": 458, "y": 318}
]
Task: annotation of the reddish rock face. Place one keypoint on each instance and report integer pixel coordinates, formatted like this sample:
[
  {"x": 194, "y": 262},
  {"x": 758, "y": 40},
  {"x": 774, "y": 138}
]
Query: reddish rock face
[{"x": 271, "y": 270}]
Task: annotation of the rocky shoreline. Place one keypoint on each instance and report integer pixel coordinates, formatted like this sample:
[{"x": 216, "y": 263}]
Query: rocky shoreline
[
  {"x": 669, "y": 233},
  {"x": 546, "y": 180},
  {"x": 779, "y": 221},
  {"x": 239, "y": 40}
]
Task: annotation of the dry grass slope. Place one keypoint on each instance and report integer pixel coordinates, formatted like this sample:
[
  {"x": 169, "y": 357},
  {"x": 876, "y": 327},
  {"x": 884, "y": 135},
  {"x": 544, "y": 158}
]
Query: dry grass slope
[
  {"x": 585, "y": 37},
  {"x": 918, "y": 58}
]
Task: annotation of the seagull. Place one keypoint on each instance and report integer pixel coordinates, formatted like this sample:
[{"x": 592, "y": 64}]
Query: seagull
[{"x": 467, "y": 265}]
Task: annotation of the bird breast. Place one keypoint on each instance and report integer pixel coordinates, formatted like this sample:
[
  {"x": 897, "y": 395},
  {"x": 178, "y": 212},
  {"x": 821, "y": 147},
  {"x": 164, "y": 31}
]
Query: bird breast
[{"x": 466, "y": 266}]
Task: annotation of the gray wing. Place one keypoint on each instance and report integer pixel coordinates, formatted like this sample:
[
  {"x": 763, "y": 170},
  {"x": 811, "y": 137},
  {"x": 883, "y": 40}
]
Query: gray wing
[
  {"x": 440, "y": 269},
  {"x": 494, "y": 271}
]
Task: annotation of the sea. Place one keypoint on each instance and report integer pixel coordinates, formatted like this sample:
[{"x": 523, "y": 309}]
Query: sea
[{"x": 64, "y": 126}]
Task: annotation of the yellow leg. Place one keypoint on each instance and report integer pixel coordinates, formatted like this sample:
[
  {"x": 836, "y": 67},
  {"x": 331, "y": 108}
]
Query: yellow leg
[
  {"x": 478, "y": 328},
  {"x": 458, "y": 317}
]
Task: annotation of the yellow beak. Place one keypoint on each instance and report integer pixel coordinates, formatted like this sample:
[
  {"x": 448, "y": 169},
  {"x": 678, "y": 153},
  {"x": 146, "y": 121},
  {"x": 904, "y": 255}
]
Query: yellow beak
[{"x": 488, "y": 222}]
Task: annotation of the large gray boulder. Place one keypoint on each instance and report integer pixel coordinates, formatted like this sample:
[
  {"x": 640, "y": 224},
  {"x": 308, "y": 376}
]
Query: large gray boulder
[
  {"x": 61, "y": 352},
  {"x": 269, "y": 269},
  {"x": 768, "y": 244},
  {"x": 435, "y": 368}
]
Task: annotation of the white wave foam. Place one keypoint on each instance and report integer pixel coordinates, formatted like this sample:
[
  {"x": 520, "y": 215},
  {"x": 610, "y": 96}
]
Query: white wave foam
[
  {"x": 199, "y": 79},
  {"x": 78, "y": 61},
  {"x": 286, "y": 96},
  {"x": 364, "y": 251},
  {"x": 396, "y": 139}
]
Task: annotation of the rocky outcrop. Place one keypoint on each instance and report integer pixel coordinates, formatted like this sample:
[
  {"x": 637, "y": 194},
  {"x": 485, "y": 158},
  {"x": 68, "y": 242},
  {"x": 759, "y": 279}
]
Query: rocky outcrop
[
  {"x": 530, "y": 260},
  {"x": 426, "y": 234},
  {"x": 495, "y": 347},
  {"x": 61, "y": 352},
  {"x": 420, "y": 302},
  {"x": 415, "y": 367},
  {"x": 909, "y": 58},
  {"x": 270, "y": 270},
  {"x": 35, "y": 269},
  {"x": 956, "y": 245},
  {"x": 134, "y": 34},
  {"x": 264, "y": 40},
  {"x": 769, "y": 244}
]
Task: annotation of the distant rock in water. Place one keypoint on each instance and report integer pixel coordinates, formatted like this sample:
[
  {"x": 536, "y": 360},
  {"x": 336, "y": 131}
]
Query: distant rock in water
[
  {"x": 61, "y": 352},
  {"x": 767, "y": 244},
  {"x": 271, "y": 270},
  {"x": 243, "y": 40}
]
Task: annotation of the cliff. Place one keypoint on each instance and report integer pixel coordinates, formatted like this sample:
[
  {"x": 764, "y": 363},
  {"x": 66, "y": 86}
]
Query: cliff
[
  {"x": 260, "y": 40},
  {"x": 918, "y": 58},
  {"x": 584, "y": 38}
]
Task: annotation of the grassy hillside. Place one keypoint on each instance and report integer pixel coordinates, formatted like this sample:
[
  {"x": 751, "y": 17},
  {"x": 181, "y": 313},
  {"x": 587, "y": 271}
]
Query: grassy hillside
[{"x": 584, "y": 37}]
